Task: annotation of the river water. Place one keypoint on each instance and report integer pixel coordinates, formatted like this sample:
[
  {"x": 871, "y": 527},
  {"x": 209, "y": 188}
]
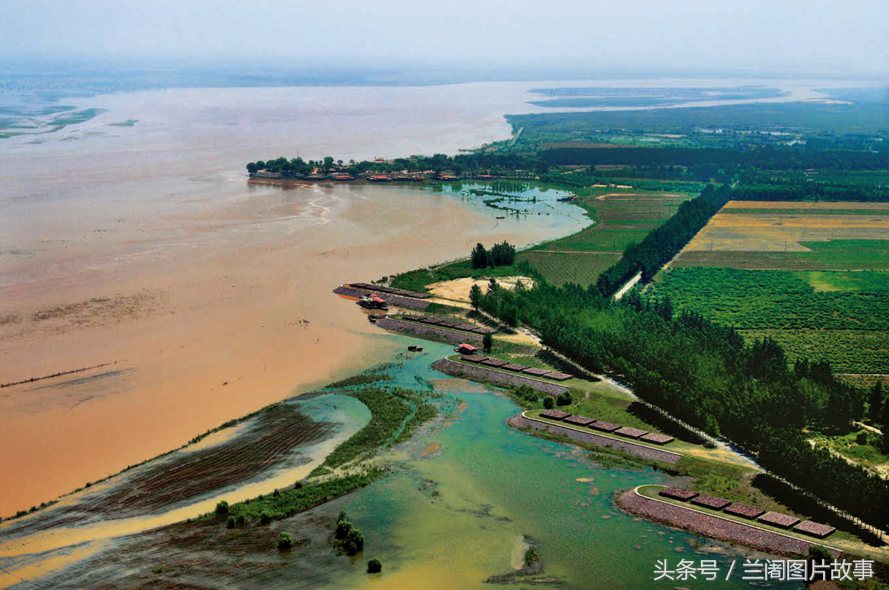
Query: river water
[{"x": 456, "y": 512}]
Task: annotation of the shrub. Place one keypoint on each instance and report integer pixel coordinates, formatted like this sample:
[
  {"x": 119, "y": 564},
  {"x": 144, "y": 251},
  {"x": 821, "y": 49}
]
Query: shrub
[
  {"x": 354, "y": 542},
  {"x": 285, "y": 541},
  {"x": 343, "y": 528},
  {"x": 222, "y": 508},
  {"x": 548, "y": 403},
  {"x": 374, "y": 566},
  {"x": 564, "y": 399},
  {"x": 265, "y": 518},
  {"x": 230, "y": 522}
]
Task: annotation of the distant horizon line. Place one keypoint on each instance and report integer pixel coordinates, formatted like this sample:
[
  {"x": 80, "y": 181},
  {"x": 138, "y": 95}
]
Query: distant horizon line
[{"x": 427, "y": 71}]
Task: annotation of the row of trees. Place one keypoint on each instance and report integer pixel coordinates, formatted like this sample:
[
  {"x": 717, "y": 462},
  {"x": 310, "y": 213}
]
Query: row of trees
[
  {"x": 706, "y": 375},
  {"x": 502, "y": 254},
  {"x": 437, "y": 163},
  {"x": 659, "y": 246},
  {"x": 799, "y": 157}
]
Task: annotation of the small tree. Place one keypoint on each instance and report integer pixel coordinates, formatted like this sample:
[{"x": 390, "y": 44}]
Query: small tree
[
  {"x": 354, "y": 542},
  {"x": 343, "y": 528},
  {"x": 479, "y": 256},
  {"x": 265, "y": 518},
  {"x": 548, "y": 403},
  {"x": 487, "y": 342},
  {"x": 475, "y": 296},
  {"x": 285, "y": 541},
  {"x": 222, "y": 508},
  {"x": 374, "y": 566},
  {"x": 564, "y": 399}
]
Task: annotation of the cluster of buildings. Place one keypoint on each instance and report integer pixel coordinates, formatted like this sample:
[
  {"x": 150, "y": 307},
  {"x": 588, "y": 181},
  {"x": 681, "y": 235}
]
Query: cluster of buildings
[
  {"x": 403, "y": 176},
  {"x": 775, "y": 519},
  {"x": 607, "y": 427}
]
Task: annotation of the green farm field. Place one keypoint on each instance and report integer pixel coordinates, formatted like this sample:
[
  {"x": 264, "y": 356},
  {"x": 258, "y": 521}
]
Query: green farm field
[
  {"x": 561, "y": 267},
  {"x": 842, "y": 317},
  {"x": 833, "y": 255},
  {"x": 621, "y": 219}
]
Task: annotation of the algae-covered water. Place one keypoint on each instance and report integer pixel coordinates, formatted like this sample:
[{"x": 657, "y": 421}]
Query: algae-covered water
[{"x": 463, "y": 497}]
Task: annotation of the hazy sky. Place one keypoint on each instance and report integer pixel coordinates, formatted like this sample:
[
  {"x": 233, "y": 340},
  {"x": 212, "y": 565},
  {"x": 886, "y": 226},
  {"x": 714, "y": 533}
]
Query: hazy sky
[{"x": 824, "y": 36}]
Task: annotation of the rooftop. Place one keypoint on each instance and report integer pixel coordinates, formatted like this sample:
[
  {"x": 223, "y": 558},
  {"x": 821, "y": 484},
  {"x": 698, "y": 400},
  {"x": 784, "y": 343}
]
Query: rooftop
[
  {"x": 604, "y": 426},
  {"x": 816, "y": 529},
  {"x": 677, "y": 493},
  {"x": 579, "y": 420},
  {"x": 713, "y": 502},
  {"x": 554, "y": 414},
  {"x": 744, "y": 510},
  {"x": 657, "y": 438},
  {"x": 631, "y": 432},
  {"x": 778, "y": 519}
]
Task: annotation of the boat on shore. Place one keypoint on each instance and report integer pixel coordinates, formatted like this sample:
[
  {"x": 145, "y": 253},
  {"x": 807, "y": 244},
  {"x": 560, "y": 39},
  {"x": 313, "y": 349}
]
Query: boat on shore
[{"x": 373, "y": 302}]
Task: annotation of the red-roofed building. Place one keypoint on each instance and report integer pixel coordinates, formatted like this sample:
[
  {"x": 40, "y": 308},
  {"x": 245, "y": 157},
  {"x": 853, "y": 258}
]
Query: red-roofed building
[
  {"x": 630, "y": 432},
  {"x": 657, "y": 438},
  {"x": 712, "y": 502},
  {"x": 744, "y": 510},
  {"x": 604, "y": 426},
  {"x": 815, "y": 529},
  {"x": 554, "y": 414},
  {"x": 464, "y": 348},
  {"x": 677, "y": 493},
  {"x": 784, "y": 521},
  {"x": 579, "y": 420}
]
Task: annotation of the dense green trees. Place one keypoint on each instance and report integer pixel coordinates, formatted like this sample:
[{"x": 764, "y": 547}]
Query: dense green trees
[
  {"x": 663, "y": 243},
  {"x": 459, "y": 164},
  {"x": 706, "y": 375},
  {"x": 479, "y": 257},
  {"x": 502, "y": 254},
  {"x": 349, "y": 539}
]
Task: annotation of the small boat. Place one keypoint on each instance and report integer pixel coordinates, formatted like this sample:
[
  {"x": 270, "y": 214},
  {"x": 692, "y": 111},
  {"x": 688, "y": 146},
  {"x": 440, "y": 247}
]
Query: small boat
[
  {"x": 415, "y": 348},
  {"x": 501, "y": 217},
  {"x": 374, "y": 317},
  {"x": 372, "y": 302}
]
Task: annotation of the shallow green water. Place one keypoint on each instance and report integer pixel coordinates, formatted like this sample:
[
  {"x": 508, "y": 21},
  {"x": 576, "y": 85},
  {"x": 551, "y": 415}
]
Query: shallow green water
[
  {"x": 514, "y": 198},
  {"x": 454, "y": 517}
]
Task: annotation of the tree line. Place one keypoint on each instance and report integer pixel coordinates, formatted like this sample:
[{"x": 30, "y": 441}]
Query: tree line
[
  {"x": 663, "y": 243},
  {"x": 438, "y": 163},
  {"x": 502, "y": 254},
  {"x": 706, "y": 375},
  {"x": 763, "y": 158}
]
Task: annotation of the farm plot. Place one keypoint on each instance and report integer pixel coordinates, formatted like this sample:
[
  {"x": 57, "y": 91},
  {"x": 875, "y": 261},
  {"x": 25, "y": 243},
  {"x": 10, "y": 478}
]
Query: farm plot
[
  {"x": 793, "y": 235},
  {"x": 811, "y": 276},
  {"x": 564, "y": 266},
  {"x": 622, "y": 218}
]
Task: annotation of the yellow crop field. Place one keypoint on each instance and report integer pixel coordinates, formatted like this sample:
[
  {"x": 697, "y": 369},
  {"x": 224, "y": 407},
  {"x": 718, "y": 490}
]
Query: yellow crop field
[{"x": 753, "y": 226}]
